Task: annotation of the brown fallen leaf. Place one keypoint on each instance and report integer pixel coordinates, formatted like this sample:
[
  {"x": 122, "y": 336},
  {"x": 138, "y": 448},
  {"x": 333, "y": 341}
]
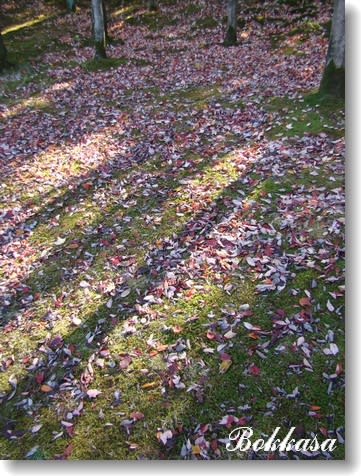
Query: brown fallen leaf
[
  {"x": 46, "y": 388},
  {"x": 137, "y": 415},
  {"x": 304, "y": 301}
]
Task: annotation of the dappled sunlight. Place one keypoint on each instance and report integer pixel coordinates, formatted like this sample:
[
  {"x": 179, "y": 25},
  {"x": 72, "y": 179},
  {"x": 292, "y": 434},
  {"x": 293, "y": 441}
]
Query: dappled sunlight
[
  {"x": 27, "y": 24},
  {"x": 34, "y": 104}
]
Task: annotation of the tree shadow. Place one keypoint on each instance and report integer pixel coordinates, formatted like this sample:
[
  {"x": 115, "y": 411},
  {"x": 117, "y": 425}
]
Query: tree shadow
[{"x": 60, "y": 365}]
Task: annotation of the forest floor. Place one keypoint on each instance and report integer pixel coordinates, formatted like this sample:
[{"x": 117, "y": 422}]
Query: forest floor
[{"x": 171, "y": 231}]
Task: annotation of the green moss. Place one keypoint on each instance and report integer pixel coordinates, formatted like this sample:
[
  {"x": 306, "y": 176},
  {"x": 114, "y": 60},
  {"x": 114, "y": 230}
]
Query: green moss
[
  {"x": 154, "y": 20},
  {"x": 191, "y": 9},
  {"x": 333, "y": 81},
  {"x": 306, "y": 28},
  {"x": 261, "y": 19},
  {"x": 327, "y": 28},
  {"x": 275, "y": 40},
  {"x": 306, "y": 115},
  {"x": 231, "y": 37},
  {"x": 104, "y": 63},
  {"x": 241, "y": 22},
  {"x": 289, "y": 51},
  {"x": 199, "y": 97},
  {"x": 205, "y": 23}
]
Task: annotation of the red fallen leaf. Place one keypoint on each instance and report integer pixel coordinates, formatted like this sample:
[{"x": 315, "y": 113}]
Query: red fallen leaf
[
  {"x": 71, "y": 348},
  {"x": 87, "y": 185},
  {"x": 268, "y": 250},
  {"x": 137, "y": 352},
  {"x": 214, "y": 444},
  {"x": 228, "y": 420},
  {"x": 281, "y": 312},
  {"x": 68, "y": 450},
  {"x": 204, "y": 428},
  {"x": 39, "y": 377},
  {"x": 324, "y": 431},
  {"x": 137, "y": 416},
  {"x": 211, "y": 335},
  {"x": 70, "y": 431},
  {"x": 304, "y": 301},
  {"x": 189, "y": 293},
  {"x": 177, "y": 329},
  {"x": 26, "y": 359},
  {"x": 225, "y": 356},
  {"x": 58, "y": 302},
  {"x": 115, "y": 260},
  {"x": 242, "y": 421},
  {"x": 253, "y": 335},
  {"x": 254, "y": 370}
]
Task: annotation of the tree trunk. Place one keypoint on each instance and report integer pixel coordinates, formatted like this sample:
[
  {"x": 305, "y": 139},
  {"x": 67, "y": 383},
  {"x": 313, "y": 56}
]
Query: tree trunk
[
  {"x": 70, "y": 6},
  {"x": 231, "y": 34},
  {"x": 152, "y": 5},
  {"x": 98, "y": 28},
  {"x": 3, "y": 54},
  {"x": 333, "y": 80},
  {"x": 107, "y": 37}
]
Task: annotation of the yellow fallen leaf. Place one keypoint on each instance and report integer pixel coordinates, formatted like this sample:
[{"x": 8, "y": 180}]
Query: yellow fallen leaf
[
  {"x": 150, "y": 385},
  {"x": 196, "y": 450},
  {"x": 73, "y": 246},
  {"x": 224, "y": 366}
]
